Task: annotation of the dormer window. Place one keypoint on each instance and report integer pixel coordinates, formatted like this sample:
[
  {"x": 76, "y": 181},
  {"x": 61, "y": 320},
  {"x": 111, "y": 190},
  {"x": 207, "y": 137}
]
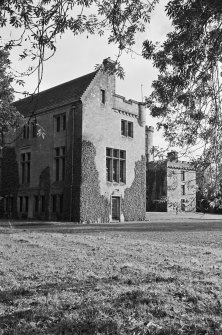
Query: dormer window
[{"x": 103, "y": 96}]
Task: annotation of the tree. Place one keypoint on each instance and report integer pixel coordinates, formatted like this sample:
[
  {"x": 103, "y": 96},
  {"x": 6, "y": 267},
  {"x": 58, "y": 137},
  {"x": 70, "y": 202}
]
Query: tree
[
  {"x": 186, "y": 96},
  {"x": 41, "y": 22},
  {"x": 10, "y": 118}
]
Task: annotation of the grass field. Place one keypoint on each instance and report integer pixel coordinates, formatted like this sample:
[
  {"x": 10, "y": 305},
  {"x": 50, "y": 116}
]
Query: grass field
[{"x": 110, "y": 282}]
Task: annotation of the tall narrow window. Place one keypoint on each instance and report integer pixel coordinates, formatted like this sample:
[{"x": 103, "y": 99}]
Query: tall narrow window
[
  {"x": 26, "y": 131},
  {"x": 122, "y": 172},
  {"x": 103, "y": 96},
  {"x": 28, "y": 162},
  {"x": 54, "y": 203},
  {"x": 20, "y": 204},
  {"x": 130, "y": 129},
  {"x": 25, "y": 167},
  {"x": 182, "y": 189},
  {"x": 58, "y": 123},
  {"x": 64, "y": 122},
  {"x": 26, "y": 204},
  {"x": 43, "y": 203},
  {"x": 182, "y": 175},
  {"x": 36, "y": 203},
  {"x": 61, "y": 203},
  {"x": 7, "y": 204},
  {"x": 124, "y": 127},
  {"x": 57, "y": 168},
  {"x": 34, "y": 128},
  {"x": 60, "y": 163}
]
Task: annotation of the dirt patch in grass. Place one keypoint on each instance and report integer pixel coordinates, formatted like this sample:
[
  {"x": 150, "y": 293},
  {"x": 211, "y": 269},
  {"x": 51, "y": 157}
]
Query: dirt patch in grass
[{"x": 110, "y": 283}]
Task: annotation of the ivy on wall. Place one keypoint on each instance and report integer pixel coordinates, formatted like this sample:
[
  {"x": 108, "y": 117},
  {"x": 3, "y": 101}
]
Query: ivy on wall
[
  {"x": 134, "y": 202},
  {"x": 10, "y": 176},
  {"x": 94, "y": 207}
]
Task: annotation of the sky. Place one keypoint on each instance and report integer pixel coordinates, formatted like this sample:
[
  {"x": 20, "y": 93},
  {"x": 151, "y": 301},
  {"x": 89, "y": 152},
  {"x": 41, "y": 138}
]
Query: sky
[{"x": 78, "y": 55}]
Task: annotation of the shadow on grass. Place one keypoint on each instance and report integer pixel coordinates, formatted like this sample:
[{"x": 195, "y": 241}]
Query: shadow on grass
[{"x": 68, "y": 228}]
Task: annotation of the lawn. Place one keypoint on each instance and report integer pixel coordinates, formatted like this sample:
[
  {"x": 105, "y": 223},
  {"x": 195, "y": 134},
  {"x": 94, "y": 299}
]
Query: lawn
[{"x": 110, "y": 282}]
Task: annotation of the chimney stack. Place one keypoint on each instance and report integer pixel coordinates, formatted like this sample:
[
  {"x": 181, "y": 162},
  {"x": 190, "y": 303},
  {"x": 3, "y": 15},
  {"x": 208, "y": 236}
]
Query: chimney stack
[{"x": 172, "y": 156}]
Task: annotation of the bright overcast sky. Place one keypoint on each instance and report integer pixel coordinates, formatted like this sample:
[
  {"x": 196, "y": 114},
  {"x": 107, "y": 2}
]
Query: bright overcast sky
[{"x": 78, "y": 55}]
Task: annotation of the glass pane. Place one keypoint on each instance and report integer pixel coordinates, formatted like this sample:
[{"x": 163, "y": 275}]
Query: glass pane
[
  {"x": 63, "y": 151},
  {"x": 109, "y": 152},
  {"x": 122, "y": 173},
  {"x": 108, "y": 169},
  {"x": 122, "y": 154},
  {"x": 115, "y": 170},
  {"x": 130, "y": 129},
  {"x": 64, "y": 122},
  {"x": 115, "y": 153},
  {"x": 58, "y": 123},
  {"x": 57, "y": 151},
  {"x": 57, "y": 169},
  {"x": 123, "y": 127}
]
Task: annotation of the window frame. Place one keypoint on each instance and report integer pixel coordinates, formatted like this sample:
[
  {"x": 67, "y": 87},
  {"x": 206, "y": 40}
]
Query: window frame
[
  {"x": 115, "y": 165},
  {"x": 183, "y": 190},
  {"x": 103, "y": 96},
  {"x": 60, "y": 163},
  {"x": 60, "y": 122},
  {"x": 25, "y": 170},
  {"x": 127, "y": 128},
  {"x": 182, "y": 175}
]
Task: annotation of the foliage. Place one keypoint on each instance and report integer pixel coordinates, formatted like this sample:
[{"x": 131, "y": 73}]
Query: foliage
[
  {"x": 9, "y": 116},
  {"x": 187, "y": 94},
  {"x": 42, "y": 22},
  {"x": 134, "y": 201},
  {"x": 94, "y": 207}
]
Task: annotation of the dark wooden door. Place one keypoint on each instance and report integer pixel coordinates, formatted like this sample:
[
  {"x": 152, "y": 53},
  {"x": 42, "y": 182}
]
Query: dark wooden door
[{"x": 115, "y": 208}]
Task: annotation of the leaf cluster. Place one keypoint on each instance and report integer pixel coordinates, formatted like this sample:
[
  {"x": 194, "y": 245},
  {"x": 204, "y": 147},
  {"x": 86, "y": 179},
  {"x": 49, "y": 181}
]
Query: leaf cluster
[
  {"x": 9, "y": 116},
  {"x": 42, "y": 22},
  {"x": 186, "y": 96}
]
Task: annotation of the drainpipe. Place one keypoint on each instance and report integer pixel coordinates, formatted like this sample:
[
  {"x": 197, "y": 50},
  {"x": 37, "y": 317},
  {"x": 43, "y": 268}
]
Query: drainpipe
[{"x": 72, "y": 161}]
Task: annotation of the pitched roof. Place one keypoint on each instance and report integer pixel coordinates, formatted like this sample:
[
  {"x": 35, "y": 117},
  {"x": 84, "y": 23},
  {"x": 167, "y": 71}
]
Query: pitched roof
[{"x": 56, "y": 96}]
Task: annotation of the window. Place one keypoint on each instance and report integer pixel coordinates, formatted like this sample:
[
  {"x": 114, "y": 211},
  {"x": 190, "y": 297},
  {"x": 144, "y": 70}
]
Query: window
[
  {"x": 25, "y": 167},
  {"x": 20, "y": 204},
  {"x": 182, "y": 189},
  {"x": 130, "y": 129},
  {"x": 126, "y": 128},
  {"x": 54, "y": 203},
  {"x": 60, "y": 163},
  {"x": 26, "y": 131},
  {"x": 64, "y": 122},
  {"x": 182, "y": 175},
  {"x": 34, "y": 129},
  {"x": 26, "y": 204},
  {"x": 103, "y": 96},
  {"x": 61, "y": 203},
  {"x": 115, "y": 165},
  {"x": 42, "y": 203},
  {"x": 36, "y": 203},
  {"x": 60, "y": 122}
]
